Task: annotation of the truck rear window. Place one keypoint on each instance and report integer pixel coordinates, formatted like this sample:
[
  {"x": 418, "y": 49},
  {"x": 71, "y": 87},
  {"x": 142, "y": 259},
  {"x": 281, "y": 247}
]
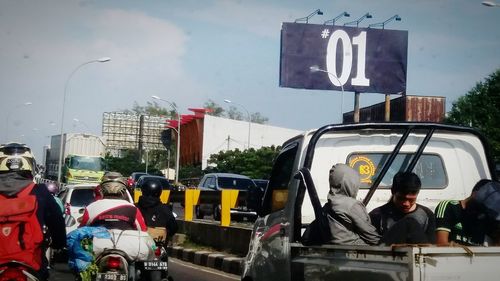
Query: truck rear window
[{"x": 429, "y": 168}]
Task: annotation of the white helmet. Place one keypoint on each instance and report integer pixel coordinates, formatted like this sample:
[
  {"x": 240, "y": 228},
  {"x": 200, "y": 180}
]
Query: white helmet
[{"x": 16, "y": 157}]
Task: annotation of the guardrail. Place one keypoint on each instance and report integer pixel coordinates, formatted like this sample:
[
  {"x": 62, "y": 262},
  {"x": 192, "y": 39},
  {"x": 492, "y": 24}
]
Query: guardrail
[{"x": 228, "y": 198}]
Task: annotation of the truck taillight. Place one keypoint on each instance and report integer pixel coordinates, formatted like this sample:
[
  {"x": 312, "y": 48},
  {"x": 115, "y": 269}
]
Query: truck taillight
[{"x": 67, "y": 209}]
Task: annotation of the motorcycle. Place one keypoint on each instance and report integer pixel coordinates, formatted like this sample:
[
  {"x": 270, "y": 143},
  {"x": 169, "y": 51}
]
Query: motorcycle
[
  {"x": 114, "y": 265},
  {"x": 17, "y": 271}
]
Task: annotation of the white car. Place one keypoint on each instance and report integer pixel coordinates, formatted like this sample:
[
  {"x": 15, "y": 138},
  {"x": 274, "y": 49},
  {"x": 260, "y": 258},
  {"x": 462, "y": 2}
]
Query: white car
[{"x": 75, "y": 198}]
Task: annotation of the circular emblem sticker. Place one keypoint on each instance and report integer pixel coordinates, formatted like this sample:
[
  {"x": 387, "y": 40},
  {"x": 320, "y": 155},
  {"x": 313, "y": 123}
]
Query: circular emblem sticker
[{"x": 365, "y": 168}]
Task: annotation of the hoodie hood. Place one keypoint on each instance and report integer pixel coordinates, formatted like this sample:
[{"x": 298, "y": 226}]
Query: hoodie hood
[
  {"x": 147, "y": 202},
  {"x": 344, "y": 181},
  {"x": 12, "y": 183}
]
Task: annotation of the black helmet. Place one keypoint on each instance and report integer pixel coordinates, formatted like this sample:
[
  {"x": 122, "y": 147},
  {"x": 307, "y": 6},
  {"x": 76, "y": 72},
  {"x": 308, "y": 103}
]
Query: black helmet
[{"x": 151, "y": 187}]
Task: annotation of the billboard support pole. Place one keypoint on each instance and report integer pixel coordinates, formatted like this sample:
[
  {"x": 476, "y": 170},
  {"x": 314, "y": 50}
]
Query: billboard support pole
[
  {"x": 356, "y": 107},
  {"x": 387, "y": 107}
]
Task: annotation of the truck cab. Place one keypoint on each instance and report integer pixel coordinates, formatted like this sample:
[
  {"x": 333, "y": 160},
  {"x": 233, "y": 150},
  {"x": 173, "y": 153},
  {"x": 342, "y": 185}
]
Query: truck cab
[
  {"x": 448, "y": 159},
  {"x": 83, "y": 169}
]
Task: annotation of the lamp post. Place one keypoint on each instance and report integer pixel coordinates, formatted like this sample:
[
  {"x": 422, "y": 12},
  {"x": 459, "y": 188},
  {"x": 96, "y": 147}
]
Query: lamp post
[
  {"x": 344, "y": 14},
  {"x": 8, "y": 117},
  {"x": 316, "y": 68},
  {"x": 249, "y": 120},
  {"x": 306, "y": 19},
  {"x": 395, "y": 17},
  {"x": 61, "y": 143},
  {"x": 490, "y": 4},
  {"x": 81, "y": 122},
  {"x": 367, "y": 16},
  {"x": 178, "y": 136}
]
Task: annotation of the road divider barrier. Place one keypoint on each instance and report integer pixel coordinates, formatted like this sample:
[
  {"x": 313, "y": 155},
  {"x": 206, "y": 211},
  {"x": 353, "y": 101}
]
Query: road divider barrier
[{"x": 227, "y": 198}]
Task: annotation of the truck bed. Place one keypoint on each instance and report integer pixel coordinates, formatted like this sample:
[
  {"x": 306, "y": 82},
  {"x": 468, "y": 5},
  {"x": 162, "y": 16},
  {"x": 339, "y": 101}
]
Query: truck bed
[{"x": 410, "y": 262}]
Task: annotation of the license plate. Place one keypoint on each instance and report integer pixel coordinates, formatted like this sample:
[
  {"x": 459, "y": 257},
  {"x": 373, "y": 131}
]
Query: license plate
[
  {"x": 155, "y": 265},
  {"x": 111, "y": 277}
]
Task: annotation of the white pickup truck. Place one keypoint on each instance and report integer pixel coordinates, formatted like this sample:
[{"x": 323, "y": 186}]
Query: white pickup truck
[{"x": 449, "y": 161}]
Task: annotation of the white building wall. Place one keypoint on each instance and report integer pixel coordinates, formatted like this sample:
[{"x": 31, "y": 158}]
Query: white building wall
[{"x": 220, "y": 134}]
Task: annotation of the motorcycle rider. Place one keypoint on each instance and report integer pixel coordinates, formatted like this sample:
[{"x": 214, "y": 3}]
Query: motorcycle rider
[
  {"x": 113, "y": 211},
  {"x": 54, "y": 190},
  {"x": 16, "y": 183},
  {"x": 159, "y": 218},
  {"x": 156, "y": 214}
]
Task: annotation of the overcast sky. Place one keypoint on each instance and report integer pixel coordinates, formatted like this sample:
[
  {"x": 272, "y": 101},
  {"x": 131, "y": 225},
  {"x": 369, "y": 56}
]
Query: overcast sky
[{"x": 190, "y": 51}]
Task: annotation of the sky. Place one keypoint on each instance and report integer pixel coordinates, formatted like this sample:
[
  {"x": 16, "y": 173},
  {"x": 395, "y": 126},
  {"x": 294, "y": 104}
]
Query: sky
[{"x": 188, "y": 52}]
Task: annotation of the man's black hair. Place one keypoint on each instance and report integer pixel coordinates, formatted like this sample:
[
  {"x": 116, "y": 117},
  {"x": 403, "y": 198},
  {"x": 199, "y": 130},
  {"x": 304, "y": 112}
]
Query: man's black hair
[{"x": 406, "y": 183}]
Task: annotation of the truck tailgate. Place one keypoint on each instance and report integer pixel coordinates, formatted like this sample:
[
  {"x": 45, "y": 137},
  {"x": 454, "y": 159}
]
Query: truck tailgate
[{"x": 335, "y": 262}]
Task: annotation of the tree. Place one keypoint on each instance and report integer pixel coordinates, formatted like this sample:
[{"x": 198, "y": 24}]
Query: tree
[
  {"x": 234, "y": 114},
  {"x": 216, "y": 110},
  {"x": 256, "y": 117},
  {"x": 253, "y": 163},
  {"x": 129, "y": 162},
  {"x": 480, "y": 108}
]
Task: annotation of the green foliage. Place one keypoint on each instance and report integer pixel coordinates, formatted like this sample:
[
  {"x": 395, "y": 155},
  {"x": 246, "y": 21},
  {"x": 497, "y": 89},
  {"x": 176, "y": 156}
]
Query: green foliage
[
  {"x": 217, "y": 110},
  {"x": 253, "y": 163},
  {"x": 480, "y": 108},
  {"x": 151, "y": 108},
  {"x": 130, "y": 162}
]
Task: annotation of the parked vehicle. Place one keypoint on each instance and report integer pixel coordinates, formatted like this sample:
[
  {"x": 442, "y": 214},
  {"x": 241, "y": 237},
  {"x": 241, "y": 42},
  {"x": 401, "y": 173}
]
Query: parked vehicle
[
  {"x": 166, "y": 186},
  {"x": 219, "y": 181},
  {"x": 132, "y": 179},
  {"x": 75, "y": 198},
  {"x": 449, "y": 161},
  {"x": 82, "y": 156}
]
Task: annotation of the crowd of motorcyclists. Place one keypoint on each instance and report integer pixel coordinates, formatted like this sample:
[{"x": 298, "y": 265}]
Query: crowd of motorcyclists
[{"x": 31, "y": 216}]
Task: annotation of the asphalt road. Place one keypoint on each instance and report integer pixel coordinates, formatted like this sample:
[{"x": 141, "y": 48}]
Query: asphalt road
[{"x": 179, "y": 270}]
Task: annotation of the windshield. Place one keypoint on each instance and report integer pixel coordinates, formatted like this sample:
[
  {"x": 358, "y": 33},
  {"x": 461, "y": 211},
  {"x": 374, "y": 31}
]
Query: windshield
[
  {"x": 82, "y": 197},
  {"x": 235, "y": 183},
  {"x": 86, "y": 163}
]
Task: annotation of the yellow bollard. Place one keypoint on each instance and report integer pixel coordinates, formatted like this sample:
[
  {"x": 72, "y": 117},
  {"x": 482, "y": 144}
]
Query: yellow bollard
[
  {"x": 229, "y": 199},
  {"x": 191, "y": 198},
  {"x": 165, "y": 195},
  {"x": 137, "y": 194}
]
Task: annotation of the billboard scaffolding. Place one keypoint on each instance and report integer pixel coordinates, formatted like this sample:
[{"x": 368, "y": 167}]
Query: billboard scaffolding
[{"x": 132, "y": 131}]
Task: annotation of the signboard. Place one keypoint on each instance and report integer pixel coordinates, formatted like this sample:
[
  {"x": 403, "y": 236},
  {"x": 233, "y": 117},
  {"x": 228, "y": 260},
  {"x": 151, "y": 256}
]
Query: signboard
[{"x": 357, "y": 59}]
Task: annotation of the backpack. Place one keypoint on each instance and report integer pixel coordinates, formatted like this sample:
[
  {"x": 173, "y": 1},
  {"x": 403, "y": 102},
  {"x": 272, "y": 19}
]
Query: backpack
[{"x": 21, "y": 234}]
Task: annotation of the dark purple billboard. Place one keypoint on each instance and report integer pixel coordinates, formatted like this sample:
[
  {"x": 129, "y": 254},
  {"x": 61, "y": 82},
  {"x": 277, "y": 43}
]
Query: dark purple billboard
[{"x": 326, "y": 57}]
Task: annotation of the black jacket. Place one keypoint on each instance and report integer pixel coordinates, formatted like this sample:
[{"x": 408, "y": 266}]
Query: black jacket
[{"x": 157, "y": 214}]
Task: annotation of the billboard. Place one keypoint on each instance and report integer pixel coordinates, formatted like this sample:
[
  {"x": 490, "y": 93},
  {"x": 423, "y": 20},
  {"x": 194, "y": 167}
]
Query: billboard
[{"x": 357, "y": 59}]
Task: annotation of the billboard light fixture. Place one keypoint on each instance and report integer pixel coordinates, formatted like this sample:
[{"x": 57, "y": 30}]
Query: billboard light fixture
[
  {"x": 306, "y": 19},
  {"x": 332, "y": 21},
  {"x": 395, "y": 17},
  {"x": 365, "y": 16}
]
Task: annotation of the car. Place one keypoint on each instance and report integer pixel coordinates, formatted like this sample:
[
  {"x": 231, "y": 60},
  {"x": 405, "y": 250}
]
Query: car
[
  {"x": 75, "y": 198},
  {"x": 132, "y": 179},
  {"x": 220, "y": 181},
  {"x": 164, "y": 183}
]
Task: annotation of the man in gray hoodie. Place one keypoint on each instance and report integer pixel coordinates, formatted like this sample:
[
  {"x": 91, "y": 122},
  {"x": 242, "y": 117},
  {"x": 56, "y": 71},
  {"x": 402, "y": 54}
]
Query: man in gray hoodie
[{"x": 347, "y": 217}]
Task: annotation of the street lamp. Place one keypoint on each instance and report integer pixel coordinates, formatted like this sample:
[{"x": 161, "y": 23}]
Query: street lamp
[
  {"x": 61, "y": 143},
  {"x": 490, "y": 4},
  {"x": 306, "y": 19},
  {"x": 178, "y": 135},
  {"x": 367, "y": 16},
  {"x": 249, "y": 118},
  {"x": 395, "y": 17},
  {"x": 316, "y": 68},
  {"x": 344, "y": 14},
  {"x": 8, "y": 117},
  {"x": 81, "y": 122}
]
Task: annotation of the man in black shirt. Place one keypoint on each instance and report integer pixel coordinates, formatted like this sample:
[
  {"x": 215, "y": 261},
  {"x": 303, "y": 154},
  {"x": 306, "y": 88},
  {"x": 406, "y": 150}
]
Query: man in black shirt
[
  {"x": 402, "y": 220},
  {"x": 461, "y": 221}
]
